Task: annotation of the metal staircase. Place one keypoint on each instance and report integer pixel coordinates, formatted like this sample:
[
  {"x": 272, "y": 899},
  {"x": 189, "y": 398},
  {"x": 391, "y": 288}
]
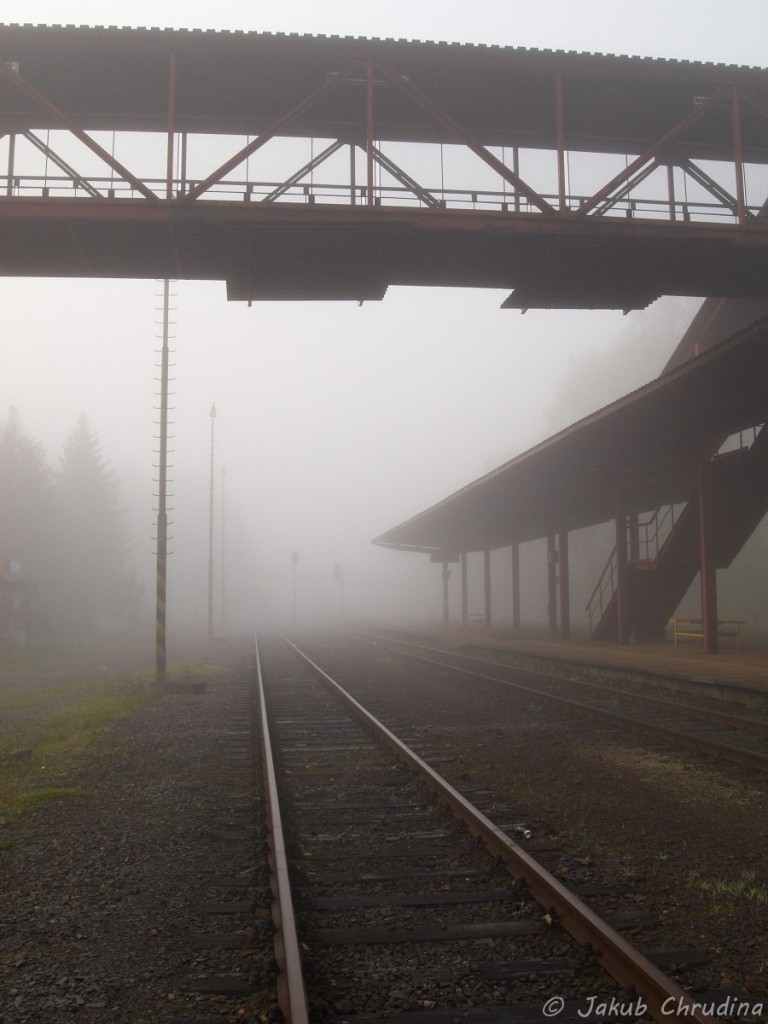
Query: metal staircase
[{"x": 664, "y": 554}]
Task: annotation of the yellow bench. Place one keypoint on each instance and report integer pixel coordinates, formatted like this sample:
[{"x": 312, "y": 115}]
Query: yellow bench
[{"x": 686, "y": 628}]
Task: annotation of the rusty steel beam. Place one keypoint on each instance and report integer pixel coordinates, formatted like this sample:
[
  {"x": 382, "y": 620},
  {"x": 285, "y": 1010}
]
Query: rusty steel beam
[
  {"x": 623, "y": 599},
  {"x": 448, "y": 122},
  {"x": 671, "y": 191},
  {"x": 560, "y": 134},
  {"x": 516, "y": 586},
  {"x": 565, "y": 583},
  {"x": 708, "y": 574},
  {"x": 292, "y": 115},
  {"x": 171, "y": 127},
  {"x": 369, "y": 132},
  {"x": 551, "y": 583},
  {"x": 464, "y": 590},
  {"x": 738, "y": 155},
  {"x": 34, "y": 94},
  {"x": 487, "y": 588},
  {"x": 11, "y": 165}
]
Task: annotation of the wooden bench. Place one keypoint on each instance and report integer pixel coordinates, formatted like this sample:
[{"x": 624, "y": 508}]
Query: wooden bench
[
  {"x": 692, "y": 629},
  {"x": 476, "y": 618}
]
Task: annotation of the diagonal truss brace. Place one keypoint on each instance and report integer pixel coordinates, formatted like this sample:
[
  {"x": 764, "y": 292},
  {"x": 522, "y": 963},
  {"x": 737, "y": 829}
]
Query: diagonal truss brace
[
  {"x": 633, "y": 182},
  {"x": 13, "y": 76},
  {"x": 714, "y": 188},
  {"x": 221, "y": 172},
  {"x": 381, "y": 159},
  {"x": 651, "y": 153},
  {"x": 404, "y": 178},
  {"x": 77, "y": 179},
  {"x": 303, "y": 172},
  {"x": 455, "y": 128},
  {"x": 414, "y": 94}
]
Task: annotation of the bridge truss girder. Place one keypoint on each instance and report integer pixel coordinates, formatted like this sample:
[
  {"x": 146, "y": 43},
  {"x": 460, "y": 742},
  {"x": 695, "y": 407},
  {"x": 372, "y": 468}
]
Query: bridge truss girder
[{"x": 614, "y": 246}]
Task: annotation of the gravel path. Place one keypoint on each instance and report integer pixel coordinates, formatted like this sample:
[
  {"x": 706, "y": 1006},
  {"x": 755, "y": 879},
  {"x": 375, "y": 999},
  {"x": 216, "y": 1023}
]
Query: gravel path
[{"x": 105, "y": 896}]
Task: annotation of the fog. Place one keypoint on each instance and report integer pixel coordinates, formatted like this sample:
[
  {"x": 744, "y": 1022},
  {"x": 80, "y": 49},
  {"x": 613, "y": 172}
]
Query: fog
[{"x": 334, "y": 422}]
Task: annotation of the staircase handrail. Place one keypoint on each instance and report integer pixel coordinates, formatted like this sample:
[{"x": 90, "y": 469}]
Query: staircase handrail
[
  {"x": 607, "y": 581},
  {"x": 663, "y": 519},
  {"x": 741, "y": 440}
]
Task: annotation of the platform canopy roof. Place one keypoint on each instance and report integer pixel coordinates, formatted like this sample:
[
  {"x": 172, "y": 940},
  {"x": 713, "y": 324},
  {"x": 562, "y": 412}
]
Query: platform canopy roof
[{"x": 648, "y": 444}]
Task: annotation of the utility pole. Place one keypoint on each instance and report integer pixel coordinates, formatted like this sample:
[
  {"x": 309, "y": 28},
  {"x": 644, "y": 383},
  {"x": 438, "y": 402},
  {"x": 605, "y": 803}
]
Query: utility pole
[
  {"x": 162, "y": 506},
  {"x": 212, "y": 415},
  {"x": 294, "y": 563},
  {"x": 223, "y": 550}
]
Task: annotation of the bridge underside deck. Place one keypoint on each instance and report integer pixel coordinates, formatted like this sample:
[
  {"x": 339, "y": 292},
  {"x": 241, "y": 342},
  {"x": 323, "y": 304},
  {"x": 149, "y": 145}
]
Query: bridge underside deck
[{"x": 292, "y": 252}]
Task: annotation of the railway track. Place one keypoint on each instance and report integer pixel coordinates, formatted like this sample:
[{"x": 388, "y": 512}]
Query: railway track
[
  {"x": 409, "y": 900},
  {"x": 685, "y": 722}
]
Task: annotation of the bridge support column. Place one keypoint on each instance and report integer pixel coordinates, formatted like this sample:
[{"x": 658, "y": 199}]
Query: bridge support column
[
  {"x": 707, "y": 561},
  {"x": 516, "y": 585},
  {"x": 446, "y": 606},
  {"x": 464, "y": 590},
  {"x": 622, "y": 570},
  {"x": 552, "y": 583},
  {"x": 487, "y": 585},
  {"x": 565, "y": 584}
]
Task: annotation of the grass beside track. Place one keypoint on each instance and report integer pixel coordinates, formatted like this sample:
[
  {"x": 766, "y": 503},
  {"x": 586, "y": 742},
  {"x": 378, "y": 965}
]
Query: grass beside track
[
  {"x": 40, "y": 757},
  {"x": 42, "y": 754}
]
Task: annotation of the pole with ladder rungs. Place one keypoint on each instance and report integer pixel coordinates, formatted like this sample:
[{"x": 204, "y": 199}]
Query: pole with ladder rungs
[
  {"x": 212, "y": 415},
  {"x": 162, "y": 507}
]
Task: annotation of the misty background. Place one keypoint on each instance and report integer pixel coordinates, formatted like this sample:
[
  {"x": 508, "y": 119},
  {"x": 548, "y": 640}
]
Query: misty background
[{"x": 335, "y": 422}]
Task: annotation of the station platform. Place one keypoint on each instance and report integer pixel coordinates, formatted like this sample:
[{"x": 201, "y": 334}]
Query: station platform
[{"x": 747, "y": 668}]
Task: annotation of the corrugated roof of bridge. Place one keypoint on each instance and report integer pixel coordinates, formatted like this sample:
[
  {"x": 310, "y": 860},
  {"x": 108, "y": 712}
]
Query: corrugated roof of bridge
[
  {"x": 109, "y": 77},
  {"x": 647, "y": 442},
  {"x": 437, "y": 43}
]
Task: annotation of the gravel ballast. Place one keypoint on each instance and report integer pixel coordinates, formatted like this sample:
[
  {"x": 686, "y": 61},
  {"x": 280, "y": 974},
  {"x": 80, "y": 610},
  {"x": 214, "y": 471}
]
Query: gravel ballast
[{"x": 112, "y": 899}]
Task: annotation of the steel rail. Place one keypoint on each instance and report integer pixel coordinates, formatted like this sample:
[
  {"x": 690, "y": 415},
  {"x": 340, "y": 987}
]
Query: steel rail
[
  {"x": 705, "y": 714},
  {"x": 666, "y": 1000},
  {"x": 291, "y": 992},
  {"x": 724, "y": 751},
  {"x": 699, "y": 686}
]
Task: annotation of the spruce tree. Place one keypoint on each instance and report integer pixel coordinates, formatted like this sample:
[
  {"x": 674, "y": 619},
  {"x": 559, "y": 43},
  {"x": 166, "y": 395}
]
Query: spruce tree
[
  {"x": 25, "y": 500},
  {"x": 92, "y": 545}
]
